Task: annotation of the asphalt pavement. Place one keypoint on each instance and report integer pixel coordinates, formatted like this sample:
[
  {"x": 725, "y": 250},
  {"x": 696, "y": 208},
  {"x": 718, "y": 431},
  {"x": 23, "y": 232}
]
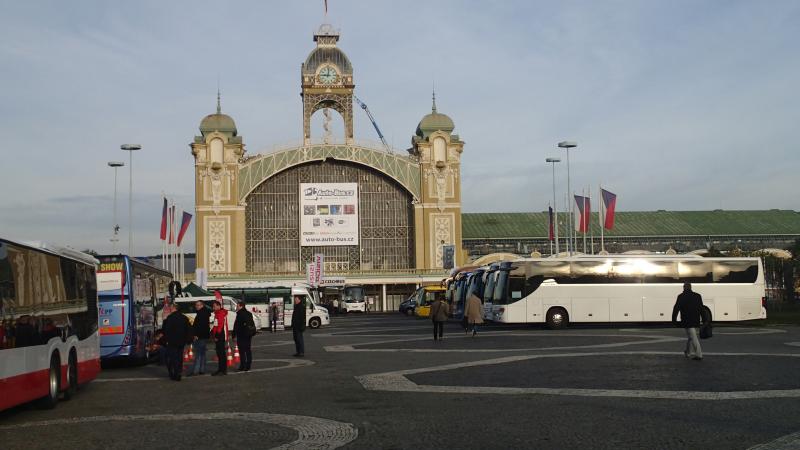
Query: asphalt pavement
[{"x": 380, "y": 381}]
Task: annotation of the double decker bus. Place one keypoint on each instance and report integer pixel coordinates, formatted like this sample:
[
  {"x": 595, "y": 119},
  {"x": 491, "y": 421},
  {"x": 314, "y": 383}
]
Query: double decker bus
[
  {"x": 625, "y": 288},
  {"x": 131, "y": 293},
  {"x": 49, "y": 343}
]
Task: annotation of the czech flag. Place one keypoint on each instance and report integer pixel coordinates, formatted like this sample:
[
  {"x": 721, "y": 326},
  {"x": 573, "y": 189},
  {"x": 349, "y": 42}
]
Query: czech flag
[
  {"x": 608, "y": 206},
  {"x": 184, "y": 226},
  {"x": 164, "y": 221},
  {"x": 582, "y": 213},
  {"x": 551, "y": 235}
]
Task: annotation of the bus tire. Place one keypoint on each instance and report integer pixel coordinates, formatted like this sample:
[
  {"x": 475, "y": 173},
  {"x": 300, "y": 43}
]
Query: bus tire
[
  {"x": 72, "y": 376},
  {"x": 708, "y": 314},
  {"x": 314, "y": 322},
  {"x": 50, "y": 400},
  {"x": 557, "y": 318}
]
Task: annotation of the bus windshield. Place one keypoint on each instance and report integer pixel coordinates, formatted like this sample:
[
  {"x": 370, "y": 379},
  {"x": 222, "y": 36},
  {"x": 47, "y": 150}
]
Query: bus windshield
[{"x": 488, "y": 288}]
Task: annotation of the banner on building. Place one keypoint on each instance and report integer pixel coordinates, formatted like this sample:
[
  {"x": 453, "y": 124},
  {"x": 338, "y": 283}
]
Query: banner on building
[
  {"x": 319, "y": 268},
  {"x": 328, "y": 214},
  {"x": 448, "y": 256}
]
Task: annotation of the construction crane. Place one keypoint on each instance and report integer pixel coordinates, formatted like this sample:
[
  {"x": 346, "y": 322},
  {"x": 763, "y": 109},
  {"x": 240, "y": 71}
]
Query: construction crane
[{"x": 374, "y": 124}]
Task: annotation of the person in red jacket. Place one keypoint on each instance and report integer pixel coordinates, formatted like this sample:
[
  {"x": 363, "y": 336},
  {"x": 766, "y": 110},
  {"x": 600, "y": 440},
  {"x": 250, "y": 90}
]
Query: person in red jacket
[{"x": 219, "y": 334}]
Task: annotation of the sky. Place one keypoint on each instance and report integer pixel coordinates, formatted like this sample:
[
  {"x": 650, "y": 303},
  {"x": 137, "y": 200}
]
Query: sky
[{"x": 680, "y": 105}]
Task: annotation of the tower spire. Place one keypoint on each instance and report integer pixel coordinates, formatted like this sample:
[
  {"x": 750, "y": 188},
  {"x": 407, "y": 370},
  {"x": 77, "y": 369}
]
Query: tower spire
[
  {"x": 433, "y": 106},
  {"x": 219, "y": 105}
]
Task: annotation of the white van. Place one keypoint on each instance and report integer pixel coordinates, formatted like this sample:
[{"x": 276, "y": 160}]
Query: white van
[
  {"x": 257, "y": 297},
  {"x": 186, "y": 306}
]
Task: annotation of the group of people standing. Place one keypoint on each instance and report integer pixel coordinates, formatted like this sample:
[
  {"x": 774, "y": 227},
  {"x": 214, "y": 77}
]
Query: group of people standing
[
  {"x": 212, "y": 326},
  {"x": 440, "y": 311}
]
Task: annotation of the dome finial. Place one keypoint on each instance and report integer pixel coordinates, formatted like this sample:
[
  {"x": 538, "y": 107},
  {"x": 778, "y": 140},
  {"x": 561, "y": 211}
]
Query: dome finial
[
  {"x": 433, "y": 107},
  {"x": 219, "y": 104}
]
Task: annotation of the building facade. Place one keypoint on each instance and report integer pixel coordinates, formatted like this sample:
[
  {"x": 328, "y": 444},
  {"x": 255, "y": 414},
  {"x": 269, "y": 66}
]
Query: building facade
[{"x": 366, "y": 208}]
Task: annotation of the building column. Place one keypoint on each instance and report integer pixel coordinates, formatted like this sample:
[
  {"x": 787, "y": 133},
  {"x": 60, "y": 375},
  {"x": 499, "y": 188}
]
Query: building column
[{"x": 383, "y": 292}]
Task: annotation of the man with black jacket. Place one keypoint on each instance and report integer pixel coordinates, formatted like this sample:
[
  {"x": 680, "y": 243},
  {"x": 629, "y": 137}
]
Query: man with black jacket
[
  {"x": 178, "y": 333},
  {"x": 299, "y": 325},
  {"x": 690, "y": 305},
  {"x": 201, "y": 327},
  {"x": 244, "y": 328}
]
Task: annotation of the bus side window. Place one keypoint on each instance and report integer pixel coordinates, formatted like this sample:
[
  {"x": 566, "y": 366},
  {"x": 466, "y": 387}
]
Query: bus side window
[
  {"x": 735, "y": 271},
  {"x": 695, "y": 271},
  {"x": 516, "y": 287}
]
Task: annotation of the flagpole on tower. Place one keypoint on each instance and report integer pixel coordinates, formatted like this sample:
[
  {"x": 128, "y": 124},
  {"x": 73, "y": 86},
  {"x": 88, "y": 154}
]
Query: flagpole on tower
[{"x": 600, "y": 215}]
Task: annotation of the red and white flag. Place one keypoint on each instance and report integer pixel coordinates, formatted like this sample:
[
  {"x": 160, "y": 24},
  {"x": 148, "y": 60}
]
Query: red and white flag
[
  {"x": 185, "y": 220},
  {"x": 582, "y": 213},
  {"x": 607, "y": 207},
  {"x": 164, "y": 221}
]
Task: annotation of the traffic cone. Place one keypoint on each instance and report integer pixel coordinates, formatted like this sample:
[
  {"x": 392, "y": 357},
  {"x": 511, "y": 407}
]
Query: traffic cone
[
  {"x": 186, "y": 356},
  {"x": 191, "y": 353},
  {"x": 230, "y": 356},
  {"x": 236, "y": 359}
]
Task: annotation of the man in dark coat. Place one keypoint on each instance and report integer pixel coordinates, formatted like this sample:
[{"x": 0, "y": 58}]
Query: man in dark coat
[
  {"x": 690, "y": 305},
  {"x": 178, "y": 333},
  {"x": 244, "y": 328},
  {"x": 201, "y": 328},
  {"x": 299, "y": 325}
]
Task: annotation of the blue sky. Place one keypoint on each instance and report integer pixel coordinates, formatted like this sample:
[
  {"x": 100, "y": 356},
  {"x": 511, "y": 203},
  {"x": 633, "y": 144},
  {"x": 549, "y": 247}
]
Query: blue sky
[{"x": 681, "y": 105}]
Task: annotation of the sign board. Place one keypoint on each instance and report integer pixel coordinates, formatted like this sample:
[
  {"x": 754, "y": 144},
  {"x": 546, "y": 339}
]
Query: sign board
[
  {"x": 311, "y": 275},
  {"x": 332, "y": 281},
  {"x": 328, "y": 214},
  {"x": 109, "y": 281},
  {"x": 319, "y": 268},
  {"x": 448, "y": 256}
]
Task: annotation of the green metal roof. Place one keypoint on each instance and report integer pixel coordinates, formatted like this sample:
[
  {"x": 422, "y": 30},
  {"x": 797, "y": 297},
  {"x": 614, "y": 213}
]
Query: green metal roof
[{"x": 638, "y": 223}]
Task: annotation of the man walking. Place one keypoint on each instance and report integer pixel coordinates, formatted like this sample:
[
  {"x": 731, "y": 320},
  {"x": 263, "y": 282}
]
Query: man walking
[
  {"x": 439, "y": 313},
  {"x": 244, "y": 328},
  {"x": 219, "y": 333},
  {"x": 201, "y": 328},
  {"x": 178, "y": 333},
  {"x": 473, "y": 313},
  {"x": 299, "y": 325},
  {"x": 690, "y": 305},
  {"x": 273, "y": 317}
]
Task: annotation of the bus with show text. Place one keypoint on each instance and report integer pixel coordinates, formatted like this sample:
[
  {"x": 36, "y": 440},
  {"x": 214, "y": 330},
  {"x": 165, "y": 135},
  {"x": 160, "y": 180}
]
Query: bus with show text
[
  {"x": 131, "y": 293},
  {"x": 625, "y": 288},
  {"x": 49, "y": 344}
]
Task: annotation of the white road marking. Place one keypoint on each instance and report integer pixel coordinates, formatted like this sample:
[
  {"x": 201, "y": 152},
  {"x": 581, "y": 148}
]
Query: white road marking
[
  {"x": 313, "y": 432},
  {"x": 275, "y": 344},
  {"x": 291, "y": 363},
  {"x": 788, "y": 442},
  {"x": 397, "y": 381},
  {"x": 793, "y": 344},
  {"x": 650, "y": 340}
]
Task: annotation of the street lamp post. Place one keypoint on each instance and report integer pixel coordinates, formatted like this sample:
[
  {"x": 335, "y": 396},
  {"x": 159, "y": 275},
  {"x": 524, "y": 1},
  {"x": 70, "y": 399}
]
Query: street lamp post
[
  {"x": 553, "y": 161},
  {"x": 115, "y": 238},
  {"x": 130, "y": 148},
  {"x": 570, "y": 199}
]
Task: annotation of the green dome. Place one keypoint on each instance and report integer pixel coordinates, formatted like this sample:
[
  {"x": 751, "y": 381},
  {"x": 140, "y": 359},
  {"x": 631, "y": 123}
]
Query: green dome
[
  {"x": 218, "y": 122},
  {"x": 435, "y": 121}
]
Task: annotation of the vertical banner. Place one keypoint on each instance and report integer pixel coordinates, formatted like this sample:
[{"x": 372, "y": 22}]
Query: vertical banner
[
  {"x": 448, "y": 256},
  {"x": 319, "y": 268},
  {"x": 328, "y": 214},
  {"x": 311, "y": 276}
]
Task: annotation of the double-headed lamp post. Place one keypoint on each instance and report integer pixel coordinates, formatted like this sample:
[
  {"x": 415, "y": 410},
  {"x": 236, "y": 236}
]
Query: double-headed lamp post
[
  {"x": 570, "y": 199},
  {"x": 130, "y": 148},
  {"x": 114, "y": 239},
  {"x": 553, "y": 161}
]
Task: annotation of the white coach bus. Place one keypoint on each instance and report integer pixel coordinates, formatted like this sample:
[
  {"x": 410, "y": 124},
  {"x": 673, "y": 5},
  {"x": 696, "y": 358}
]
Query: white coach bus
[{"x": 621, "y": 288}]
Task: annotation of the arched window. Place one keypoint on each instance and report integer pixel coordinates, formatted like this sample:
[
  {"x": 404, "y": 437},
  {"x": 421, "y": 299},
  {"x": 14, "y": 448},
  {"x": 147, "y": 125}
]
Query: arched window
[
  {"x": 439, "y": 150},
  {"x": 217, "y": 151}
]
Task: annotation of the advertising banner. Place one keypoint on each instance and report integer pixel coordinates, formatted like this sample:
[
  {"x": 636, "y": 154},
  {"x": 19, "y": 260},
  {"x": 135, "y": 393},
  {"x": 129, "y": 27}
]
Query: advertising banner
[
  {"x": 311, "y": 276},
  {"x": 328, "y": 214},
  {"x": 319, "y": 268}
]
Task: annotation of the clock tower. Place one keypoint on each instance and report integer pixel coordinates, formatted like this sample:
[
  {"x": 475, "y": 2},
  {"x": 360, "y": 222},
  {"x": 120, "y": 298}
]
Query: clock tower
[{"x": 327, "y": 82}]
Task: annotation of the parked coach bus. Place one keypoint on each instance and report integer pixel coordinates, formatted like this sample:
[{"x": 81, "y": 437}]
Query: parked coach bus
[
  {"x": 622, "y": 288},
  {"x": 131, "y": 294},
  {"x": 48, "y": 323}
]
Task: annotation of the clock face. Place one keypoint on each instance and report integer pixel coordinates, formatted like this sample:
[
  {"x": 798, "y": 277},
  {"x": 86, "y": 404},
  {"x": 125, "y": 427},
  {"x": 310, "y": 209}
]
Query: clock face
[{"x": 328, "y": 75}]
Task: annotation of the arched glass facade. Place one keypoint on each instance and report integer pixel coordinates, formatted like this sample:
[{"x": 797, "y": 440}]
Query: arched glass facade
[{"x": 386, "y": 222}]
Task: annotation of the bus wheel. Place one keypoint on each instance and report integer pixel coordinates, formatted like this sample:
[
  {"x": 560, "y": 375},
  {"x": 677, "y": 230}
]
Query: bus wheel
[
  {"x": 707, "y": 313},
  {"x": 72, "y": 376},
  {"x": 557, "y": 318},
  {"x": 314, "y": 322},
  {"x": 53, "y": 383}
]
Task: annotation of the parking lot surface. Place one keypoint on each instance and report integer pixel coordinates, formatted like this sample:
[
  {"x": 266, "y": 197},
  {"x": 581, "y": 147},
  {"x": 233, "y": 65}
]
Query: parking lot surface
[{"x": 380, "y": 381}]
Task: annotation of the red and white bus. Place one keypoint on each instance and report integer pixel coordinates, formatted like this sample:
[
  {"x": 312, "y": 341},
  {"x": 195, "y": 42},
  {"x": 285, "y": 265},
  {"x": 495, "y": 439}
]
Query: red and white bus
[{"x": 49, "y": 343}]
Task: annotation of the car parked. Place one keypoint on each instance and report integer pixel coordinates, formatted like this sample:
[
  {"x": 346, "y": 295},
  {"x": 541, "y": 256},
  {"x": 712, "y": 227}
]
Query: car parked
[{"x": 408, "y": 305}]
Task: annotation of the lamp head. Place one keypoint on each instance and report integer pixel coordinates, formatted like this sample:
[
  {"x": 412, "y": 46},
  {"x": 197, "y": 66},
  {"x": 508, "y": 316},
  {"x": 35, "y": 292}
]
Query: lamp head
[
  {"x": 130, "y": 147},
  {"x": 115, "y": 164},
  {"x": 567, "y": 144},
  {"x": 553, "y": 160}
]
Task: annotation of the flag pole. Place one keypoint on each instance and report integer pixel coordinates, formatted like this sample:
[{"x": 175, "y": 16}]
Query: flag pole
[
  {"x": 550, "y": 220},
  {"x": 589, "y": 217},
  {"x": 583, "y": 219},
  {"x": 163, "y": 241},
  {"x": 601, "y": 213}
]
